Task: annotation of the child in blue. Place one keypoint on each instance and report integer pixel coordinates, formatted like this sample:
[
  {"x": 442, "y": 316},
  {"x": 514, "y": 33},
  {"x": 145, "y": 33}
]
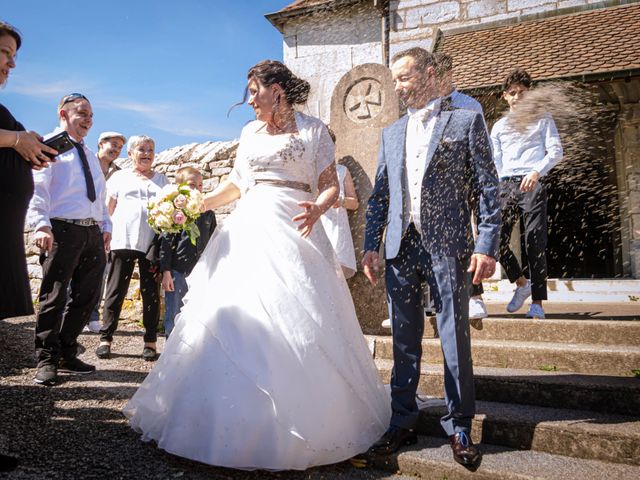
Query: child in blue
[{"x": 178, "y": 255}]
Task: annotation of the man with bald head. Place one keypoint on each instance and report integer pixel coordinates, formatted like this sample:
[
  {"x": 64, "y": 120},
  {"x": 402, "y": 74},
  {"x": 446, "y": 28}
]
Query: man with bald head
[{"x": 72, "y": 229}]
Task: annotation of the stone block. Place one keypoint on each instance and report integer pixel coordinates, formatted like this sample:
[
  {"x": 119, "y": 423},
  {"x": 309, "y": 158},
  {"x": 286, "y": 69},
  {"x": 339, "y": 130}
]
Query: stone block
[
  {"x": 421, "y": 33},
  {"x": 415, "y": 3},
  {"x": 210, "y": 183},
  {"x": 396, "y": 47},
  {"x": 633, "y": 201},
  {"x": 434, "y": 14},
  {"x": 35, "y": 272},
  {"x": 635, "y": 226},
  {"x": 217, "y": 172},
  {"x": 571, "y": 3},
  {"x": 523, "y": 4},
  {"x": 486, "y": 8}
]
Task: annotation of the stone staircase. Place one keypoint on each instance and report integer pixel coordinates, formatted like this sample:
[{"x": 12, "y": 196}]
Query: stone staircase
[{"x": 556, "y": 398}]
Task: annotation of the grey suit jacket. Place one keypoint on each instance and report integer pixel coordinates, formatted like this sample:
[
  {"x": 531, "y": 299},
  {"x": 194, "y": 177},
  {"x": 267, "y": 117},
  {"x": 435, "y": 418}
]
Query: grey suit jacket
[{"x": 459, "y": 163}]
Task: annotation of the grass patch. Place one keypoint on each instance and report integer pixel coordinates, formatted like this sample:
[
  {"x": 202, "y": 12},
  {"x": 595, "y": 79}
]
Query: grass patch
[{"x": 548, "y": 368}]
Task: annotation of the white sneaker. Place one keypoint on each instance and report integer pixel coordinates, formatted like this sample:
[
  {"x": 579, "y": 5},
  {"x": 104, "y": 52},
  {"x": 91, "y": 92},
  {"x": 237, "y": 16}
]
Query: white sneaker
[
  {"x": 477, "y": 308},
  {"x": 519, "y": 296},
  {"x": 535, "y": 311},
  {"x": 386, "y": 323},
  {"x": 93, "y": 326}
]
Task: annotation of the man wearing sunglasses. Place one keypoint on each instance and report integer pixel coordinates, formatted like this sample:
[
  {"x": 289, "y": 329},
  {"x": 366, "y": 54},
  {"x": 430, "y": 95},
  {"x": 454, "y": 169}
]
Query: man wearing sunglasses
[{"x": 69, "y": 214}]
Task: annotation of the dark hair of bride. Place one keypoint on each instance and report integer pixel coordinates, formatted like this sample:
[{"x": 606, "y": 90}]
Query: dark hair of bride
[{"x": 270, "y": 72}]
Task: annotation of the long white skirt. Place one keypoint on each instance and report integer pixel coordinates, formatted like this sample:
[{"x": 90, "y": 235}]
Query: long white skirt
[{"x": 267, "y": 367}]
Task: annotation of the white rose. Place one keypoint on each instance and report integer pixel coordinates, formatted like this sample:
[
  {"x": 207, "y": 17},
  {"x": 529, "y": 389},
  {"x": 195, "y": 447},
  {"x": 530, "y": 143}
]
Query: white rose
[
  {"x": 166, "y": 208},
  {"x": 170, "y": 190},
  {"x": 163, "y": 222},
  {"x": 193, "y": 206}
]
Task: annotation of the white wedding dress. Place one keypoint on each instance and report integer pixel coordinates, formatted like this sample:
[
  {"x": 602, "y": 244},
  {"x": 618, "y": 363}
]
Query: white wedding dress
[{"x": 267, "y": 367}]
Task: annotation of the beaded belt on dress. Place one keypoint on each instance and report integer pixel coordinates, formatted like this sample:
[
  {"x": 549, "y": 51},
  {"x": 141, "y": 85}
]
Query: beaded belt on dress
[
  {"x": 83, "y": 222},
  {"x": 286, "y": 183}
]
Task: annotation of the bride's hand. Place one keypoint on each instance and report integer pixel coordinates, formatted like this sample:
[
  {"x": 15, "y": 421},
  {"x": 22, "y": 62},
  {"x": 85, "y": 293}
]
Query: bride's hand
[{"x": 310, "y": 216}]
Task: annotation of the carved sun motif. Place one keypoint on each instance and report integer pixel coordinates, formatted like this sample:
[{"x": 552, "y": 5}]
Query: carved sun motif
[{"x": 363, "y": 101}]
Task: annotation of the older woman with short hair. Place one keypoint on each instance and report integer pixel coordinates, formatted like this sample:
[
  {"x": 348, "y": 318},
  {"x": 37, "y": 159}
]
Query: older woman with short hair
[{"x": 128, "y": 193}]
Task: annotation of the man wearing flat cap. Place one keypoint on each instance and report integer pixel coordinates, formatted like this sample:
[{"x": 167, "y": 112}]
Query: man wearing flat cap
[{"x": 109, "y": 147}]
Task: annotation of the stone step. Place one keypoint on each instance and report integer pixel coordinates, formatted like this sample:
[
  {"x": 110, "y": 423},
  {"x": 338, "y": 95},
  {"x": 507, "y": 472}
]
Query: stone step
[
  {"x": 431, "y": 458},
  {"x": 587, "y": 358},
  {"x": 572, "y": 290},
  {"x": 606, "y": 394},
  {"x": 573, "y": 433},
  {"x": 605, "y": 332}
]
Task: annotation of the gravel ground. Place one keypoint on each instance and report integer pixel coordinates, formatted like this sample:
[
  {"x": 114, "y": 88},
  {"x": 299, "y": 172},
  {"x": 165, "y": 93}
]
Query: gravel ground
[{"x": 76, "y": 430}]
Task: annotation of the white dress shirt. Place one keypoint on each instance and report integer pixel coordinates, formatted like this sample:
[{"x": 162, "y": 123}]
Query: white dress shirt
[
  {"x": 131, "y": 231},
  {"x": 419, "y": 130},
  {"x": 61, "y": 191},
  {"x": 538, "y": 149}
]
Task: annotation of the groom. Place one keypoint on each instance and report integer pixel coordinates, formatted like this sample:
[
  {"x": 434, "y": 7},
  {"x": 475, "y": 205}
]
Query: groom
[{"x": 430, "y": 163}]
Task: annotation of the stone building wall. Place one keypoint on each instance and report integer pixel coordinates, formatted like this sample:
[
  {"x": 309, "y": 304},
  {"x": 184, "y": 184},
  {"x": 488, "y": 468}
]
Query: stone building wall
[
  {"x": 627, "y": 141},
  {"x": 324, "y": 46},
  {"x": 416, "y": 22},
  {"x": 215, "y": 161}
]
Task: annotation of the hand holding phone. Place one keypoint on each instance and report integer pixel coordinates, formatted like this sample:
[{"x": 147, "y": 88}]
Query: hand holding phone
[
  {"x": 60, "y": 142},
  {"x": 29, "y": 145}
]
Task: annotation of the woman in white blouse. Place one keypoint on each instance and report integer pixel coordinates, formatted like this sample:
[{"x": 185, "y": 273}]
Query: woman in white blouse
[{"x": 128, "y": 192}]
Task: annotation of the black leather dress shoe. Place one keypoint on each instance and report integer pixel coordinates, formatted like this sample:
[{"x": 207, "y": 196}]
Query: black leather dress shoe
[
  {"x": 464, "y": 451},
  {"x": 392, "y": 440}
]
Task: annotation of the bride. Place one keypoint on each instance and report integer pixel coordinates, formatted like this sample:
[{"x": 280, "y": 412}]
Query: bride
[{"x": 267, "y": 367}]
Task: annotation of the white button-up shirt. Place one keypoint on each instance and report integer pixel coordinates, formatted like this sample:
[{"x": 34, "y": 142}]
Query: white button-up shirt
[
  {"x": 132, "y": 194},
  {"x": 515, "y": 153},
  {"x": 61, "y": 191},
  {"x": 419, "y": 131}
]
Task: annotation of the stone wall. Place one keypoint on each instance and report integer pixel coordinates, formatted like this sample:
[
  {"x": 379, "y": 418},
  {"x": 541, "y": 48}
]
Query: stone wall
[
  {"x": 215, "y": 161},
  {"x": 627, "y": 147},
  {"x": 324, "y": 46},
  {"x": 416, "y": 22}
]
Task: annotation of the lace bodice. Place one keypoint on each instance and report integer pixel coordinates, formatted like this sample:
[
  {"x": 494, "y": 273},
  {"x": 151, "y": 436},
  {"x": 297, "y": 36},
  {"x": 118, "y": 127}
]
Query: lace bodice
[{"x": 299, "y": 157}]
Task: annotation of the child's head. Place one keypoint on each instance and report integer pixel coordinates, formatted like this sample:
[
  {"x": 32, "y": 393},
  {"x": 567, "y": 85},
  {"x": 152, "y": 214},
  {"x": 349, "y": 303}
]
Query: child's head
[
  {"x": 191, "y": 176},
  {"x": 516, "y": 86}
]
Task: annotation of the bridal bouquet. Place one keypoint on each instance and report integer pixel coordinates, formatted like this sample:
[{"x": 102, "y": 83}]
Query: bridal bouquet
[{"x": 175, "y": 209}]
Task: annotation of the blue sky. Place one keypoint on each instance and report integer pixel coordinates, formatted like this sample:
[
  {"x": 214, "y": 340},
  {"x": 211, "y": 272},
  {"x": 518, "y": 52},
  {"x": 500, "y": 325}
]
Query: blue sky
[{"x": 165, "y": 68}]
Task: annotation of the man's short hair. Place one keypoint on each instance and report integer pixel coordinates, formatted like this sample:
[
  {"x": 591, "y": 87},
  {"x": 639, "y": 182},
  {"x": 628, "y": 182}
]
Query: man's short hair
[
  {"x": 444, "y": 63},
  {"x": 423, "y": 58},
  {"x": 518, "y": 77},
  {"x": 71, "y": 98},
  {"x": 107, "y": 135},
  {"x": 185, "y": 172}
]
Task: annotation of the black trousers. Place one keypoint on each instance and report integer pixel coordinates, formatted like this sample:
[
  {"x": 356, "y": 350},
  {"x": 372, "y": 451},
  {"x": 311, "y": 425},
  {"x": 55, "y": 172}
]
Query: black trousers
[
  {"x": 118, "y": 279},
  {"x": 78, "y": 256},
  {"x": 532, "y": 206}
]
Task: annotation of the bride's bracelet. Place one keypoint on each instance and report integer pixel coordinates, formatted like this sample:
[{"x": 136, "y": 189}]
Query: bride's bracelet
[{"x": 17, "y": 140}]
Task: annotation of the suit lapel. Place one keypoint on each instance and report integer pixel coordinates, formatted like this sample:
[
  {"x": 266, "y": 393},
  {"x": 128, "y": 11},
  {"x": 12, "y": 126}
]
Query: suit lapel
[{"x": 436, "y": 135}]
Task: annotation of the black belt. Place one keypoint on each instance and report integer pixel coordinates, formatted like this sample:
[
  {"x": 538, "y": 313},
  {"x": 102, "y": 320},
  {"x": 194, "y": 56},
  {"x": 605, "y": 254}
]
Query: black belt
[
  {"x": 83, "y": 222},
  {"x": 513, "y": 179}
]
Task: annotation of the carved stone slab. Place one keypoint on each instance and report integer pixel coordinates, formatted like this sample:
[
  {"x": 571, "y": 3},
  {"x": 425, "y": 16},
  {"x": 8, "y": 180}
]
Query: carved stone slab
[{"x": 363, "y": 103}]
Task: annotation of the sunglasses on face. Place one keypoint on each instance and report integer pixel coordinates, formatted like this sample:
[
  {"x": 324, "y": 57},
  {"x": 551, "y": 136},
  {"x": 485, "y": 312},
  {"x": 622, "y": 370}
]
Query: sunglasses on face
[{"x": 70, "y": 98}]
